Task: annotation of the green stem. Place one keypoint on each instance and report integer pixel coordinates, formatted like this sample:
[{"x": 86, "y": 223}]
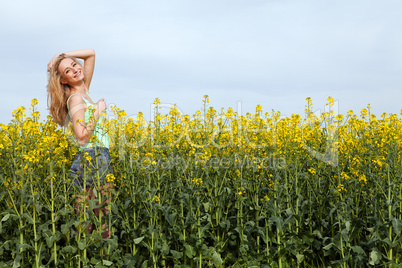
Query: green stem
[
  {"x": 99, "y": 190},
  {"x": 389, "y": 215},
  {"x": 134, "y": 250},
  {"x": 34, "y": 224},
  {"x": 199, "y": 234},
  {"x": 297, "y": 201},
  {"x": 278, "y": 237},
  {"x": 21, "y": 223},
  {"x": 66, "y": 202},
  {"x": 183, "y": 225},
  {"x": 267, "y": 238},
  {"x": 84, "y": 236},
  {"x": 340, "y": 235},
  {"x": 53, "y": 218}
]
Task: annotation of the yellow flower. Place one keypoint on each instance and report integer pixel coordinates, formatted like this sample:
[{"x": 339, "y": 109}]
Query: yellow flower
[
  {"x": 157, "y": 101},
  {"x": 330, "y": 100},
  {"x": 110, "y": 178},
  {"x": 34, "y": 102},
  {"x": 258, "y": 109},
  {"x": 265, "y": 198},
  {"x": 363, "y": 112},
  {"x": 344, "y": 176},
  {"x": 377, "y": 162},
  {"x": 121, "y": 113},
  {"x": 198, "y": 181},
  {"x": 341, "y": 188},
  {"x": 241, "y": 191},
  {"x": 87, "y": 157},
  {"x": 312, "y": 171},
  {"x": 156, "y": 199},
  {"x": 363, "y": 179}
]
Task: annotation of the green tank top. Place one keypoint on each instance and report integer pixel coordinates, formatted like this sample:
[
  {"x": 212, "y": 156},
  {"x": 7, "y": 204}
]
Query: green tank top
[{"x": 102, "y": 138}]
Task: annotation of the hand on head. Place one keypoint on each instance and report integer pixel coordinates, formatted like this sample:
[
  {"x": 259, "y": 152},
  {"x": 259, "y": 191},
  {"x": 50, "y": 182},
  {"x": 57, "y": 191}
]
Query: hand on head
[{"x": 52, "y": 61}]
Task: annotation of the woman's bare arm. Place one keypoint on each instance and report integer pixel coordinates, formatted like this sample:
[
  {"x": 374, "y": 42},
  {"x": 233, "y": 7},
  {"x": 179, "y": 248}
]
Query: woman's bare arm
[{"x": 83, "y": 132}]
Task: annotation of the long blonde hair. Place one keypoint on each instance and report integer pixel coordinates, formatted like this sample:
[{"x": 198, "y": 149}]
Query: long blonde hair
[{"x": 58, "y": 93}]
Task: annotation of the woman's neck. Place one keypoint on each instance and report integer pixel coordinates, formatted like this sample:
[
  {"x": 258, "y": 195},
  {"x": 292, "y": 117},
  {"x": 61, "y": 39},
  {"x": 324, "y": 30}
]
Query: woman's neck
[{"x": 82, "y": 89}]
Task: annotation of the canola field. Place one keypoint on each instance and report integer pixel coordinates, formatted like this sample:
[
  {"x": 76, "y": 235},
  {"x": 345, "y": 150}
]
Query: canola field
[{"x": 211, "y": 189}]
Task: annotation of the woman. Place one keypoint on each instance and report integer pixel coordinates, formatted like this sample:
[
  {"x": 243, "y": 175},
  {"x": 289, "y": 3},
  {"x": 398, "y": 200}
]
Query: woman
[{"x": 69, "y": 101}]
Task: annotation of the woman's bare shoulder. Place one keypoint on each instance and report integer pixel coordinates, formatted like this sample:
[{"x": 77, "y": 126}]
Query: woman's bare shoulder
[{"x": 76, "y": 101}]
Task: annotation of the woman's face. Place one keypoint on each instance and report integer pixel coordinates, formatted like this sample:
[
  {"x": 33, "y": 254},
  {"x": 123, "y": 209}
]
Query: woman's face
[{"x": 71, "y": 72}]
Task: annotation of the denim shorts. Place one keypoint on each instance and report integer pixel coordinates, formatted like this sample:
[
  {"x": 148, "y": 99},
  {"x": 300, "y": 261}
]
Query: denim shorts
[{"x": 89, "y": 172}]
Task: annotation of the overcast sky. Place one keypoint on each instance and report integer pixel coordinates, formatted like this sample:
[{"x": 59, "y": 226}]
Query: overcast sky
[{"x": 275, "y": 53}]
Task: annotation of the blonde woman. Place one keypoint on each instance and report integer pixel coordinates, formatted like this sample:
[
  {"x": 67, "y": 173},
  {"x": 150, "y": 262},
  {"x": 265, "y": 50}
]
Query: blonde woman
[{"x": 69, "y": 101}]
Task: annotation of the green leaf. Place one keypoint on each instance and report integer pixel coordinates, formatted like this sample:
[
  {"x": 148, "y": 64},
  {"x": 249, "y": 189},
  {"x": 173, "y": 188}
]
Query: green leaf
[
  {"x": 138, "y": 240},
  {"x": 300, "y": 258},
  {"x": 204, "y": 228},
  {"x": 95, "y": 261},
  {"x": 65, "y": 228},
  {"x": 107, "y": 263},
  {"x": 6, "y": 245},
  {"x": 347, "y": 224},
  {"x": 389, "y": 242},
  {"x": 317, "y": 233},
  {"x": 278, "y": 221},
  {"x": 95, "y": 192},
  {"x": 207, "y": 205},
  {"x": 23, "y": 246},
  {"x": 289, "y": 212},
  {"x": 216, "y": 258},
  {"x": 329, "y": 246},
  {"x": 145, "y": 264},
  {"x": 225, "y": 224},
  {"x": 82, "y": 245},
  {"x": 228, "y": 190},
  {"x": 374, "y": 258},
  {"x": 29, "y": 218},
  {"x": 165, "y": 249},
  {"x": 358, "y": 250},
  {"x": 49, "y": 241},
  {"x": 17, "y": 261},
  {"x": 176, "y": 254},
  {"x": 397, "y": 225},
  {"x": 69, "y": 249},
  {"x": 189, "y": 250},
  {"x": 112, "y": 242},
  {"x": 181, "y": 237},
  {"x": 171, "y": 218},
  {"x": 115, "y": 210},
  {"x": 5, "y": 218}
]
